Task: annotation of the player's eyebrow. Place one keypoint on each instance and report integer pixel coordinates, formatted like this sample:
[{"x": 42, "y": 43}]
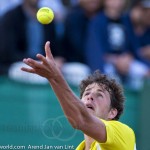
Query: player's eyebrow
[
  {"x": 99, "y": 90},
  {"x": 88, "y": 89}
]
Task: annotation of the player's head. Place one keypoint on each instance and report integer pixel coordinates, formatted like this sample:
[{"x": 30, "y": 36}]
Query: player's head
[{"x": 102, "y": 96}]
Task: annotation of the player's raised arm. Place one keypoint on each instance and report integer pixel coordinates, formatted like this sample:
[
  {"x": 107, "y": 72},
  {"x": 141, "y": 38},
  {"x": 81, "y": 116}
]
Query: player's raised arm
[{"x": 75, "y": 110}]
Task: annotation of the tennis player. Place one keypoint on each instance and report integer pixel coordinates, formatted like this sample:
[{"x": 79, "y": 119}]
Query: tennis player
[{"x": 96, "y": 114}]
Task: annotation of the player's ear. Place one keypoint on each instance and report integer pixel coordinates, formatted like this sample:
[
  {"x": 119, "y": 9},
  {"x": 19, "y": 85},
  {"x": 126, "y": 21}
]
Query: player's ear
[{"x": 112, "y": 113}]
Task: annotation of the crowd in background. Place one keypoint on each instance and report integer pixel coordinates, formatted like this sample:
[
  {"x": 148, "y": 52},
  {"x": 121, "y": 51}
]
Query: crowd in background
[{"x": 110, "y": 35}]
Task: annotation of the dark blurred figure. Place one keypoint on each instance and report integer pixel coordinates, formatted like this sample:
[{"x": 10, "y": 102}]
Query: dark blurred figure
[
  {"x": 75, "y": 29},
  {"x": 6, "y": 5},
  {"x": 109, "y": 46},
  {"x": 140, "y": 18},
  {"x": 23, "y": 36}
]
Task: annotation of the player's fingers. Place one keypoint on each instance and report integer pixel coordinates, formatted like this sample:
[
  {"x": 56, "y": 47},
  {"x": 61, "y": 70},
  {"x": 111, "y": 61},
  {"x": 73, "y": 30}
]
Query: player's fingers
[
  {"x": 30, "y": 70},
  {"x": 32, "y": 63},
  {"x": 41, "y": 58},
  {"x": 48, "y": 50}
]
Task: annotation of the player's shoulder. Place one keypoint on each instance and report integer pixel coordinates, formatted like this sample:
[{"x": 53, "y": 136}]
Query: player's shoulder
[{"x": 118, "y": 125}]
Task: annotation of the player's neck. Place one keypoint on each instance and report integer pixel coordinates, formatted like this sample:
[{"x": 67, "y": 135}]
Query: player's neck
[{"x": 88, "y": 142}]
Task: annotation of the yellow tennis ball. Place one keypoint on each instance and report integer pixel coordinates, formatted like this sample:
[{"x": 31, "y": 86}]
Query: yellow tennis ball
[{"x": 45, "y": 15}]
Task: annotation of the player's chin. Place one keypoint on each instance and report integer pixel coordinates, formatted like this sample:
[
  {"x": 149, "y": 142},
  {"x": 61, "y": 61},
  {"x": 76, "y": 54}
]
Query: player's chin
[{"x": 91, "y": 110}]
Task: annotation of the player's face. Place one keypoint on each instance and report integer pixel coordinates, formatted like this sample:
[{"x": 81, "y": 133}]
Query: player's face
[{"x": 97, "y": 100}]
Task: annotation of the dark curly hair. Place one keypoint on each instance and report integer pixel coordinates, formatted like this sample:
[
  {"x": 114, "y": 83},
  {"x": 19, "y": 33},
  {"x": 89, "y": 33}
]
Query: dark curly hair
[{"x": 115, "y": 90}]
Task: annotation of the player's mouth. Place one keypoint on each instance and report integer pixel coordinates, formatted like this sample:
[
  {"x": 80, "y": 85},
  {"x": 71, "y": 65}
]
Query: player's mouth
[{"x": 90, "y": 106}]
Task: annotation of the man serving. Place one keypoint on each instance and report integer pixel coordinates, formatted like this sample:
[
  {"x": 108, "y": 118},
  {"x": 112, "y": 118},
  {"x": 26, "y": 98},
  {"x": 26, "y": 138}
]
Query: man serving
[{"x": 96, "y": 114}]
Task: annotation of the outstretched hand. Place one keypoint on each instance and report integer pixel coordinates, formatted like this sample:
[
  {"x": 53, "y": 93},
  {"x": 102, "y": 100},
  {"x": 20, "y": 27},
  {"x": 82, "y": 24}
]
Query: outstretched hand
[{"x": 45, "y": 67}]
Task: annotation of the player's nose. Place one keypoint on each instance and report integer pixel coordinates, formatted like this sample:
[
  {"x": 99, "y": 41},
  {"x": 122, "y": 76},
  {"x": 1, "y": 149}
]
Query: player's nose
[{"x": 90, "y": 97}]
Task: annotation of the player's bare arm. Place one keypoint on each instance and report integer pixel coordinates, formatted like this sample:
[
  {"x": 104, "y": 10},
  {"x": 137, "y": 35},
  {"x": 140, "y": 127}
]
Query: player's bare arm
[{"x": 74, "y": 109}]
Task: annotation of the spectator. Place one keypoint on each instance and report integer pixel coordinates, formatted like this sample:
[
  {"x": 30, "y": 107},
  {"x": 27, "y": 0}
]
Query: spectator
[
  {"x": 6, "y": 5},
  {"x": 109, "y": 42},
  {"x": 60, "y": 13},
  {"x": 75, "y": 29},
  {"x": 140, "y": 17},
  {"x": 22, "y": 35}
]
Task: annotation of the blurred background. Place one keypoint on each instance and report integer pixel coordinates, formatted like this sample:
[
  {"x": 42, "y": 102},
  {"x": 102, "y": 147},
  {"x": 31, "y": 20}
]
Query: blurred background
[{"x": 110, "y": 35}]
